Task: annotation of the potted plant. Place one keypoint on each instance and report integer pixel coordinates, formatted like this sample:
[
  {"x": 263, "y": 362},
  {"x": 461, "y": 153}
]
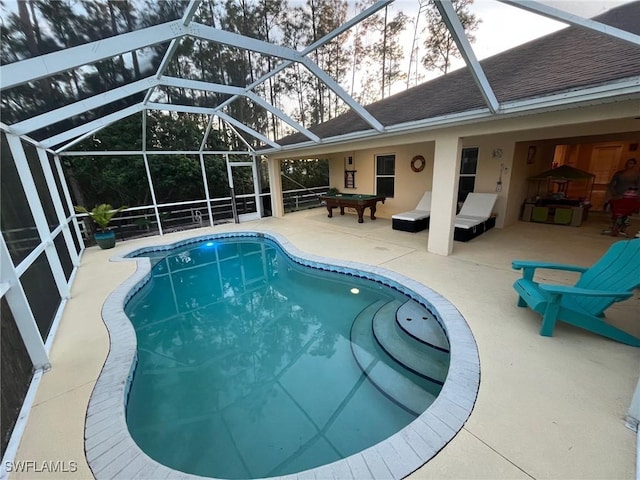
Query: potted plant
[{"x": 102, "y": 215}]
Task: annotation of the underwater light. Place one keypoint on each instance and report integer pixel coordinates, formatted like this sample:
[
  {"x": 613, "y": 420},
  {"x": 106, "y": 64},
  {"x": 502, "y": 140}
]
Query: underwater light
[{"x": 355, "y": 291}]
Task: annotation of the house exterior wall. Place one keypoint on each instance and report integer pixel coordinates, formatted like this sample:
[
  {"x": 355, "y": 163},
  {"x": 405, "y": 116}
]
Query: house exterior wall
[
  {"x": 512, "y": 135},
  {"x": 495, "y": 162},
  {"x": 409, "y": 185},
  {"x": 444, "y": 197}
]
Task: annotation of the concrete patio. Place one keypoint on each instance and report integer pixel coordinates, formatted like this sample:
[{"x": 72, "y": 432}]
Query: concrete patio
[{"x": 547, "y": 407}]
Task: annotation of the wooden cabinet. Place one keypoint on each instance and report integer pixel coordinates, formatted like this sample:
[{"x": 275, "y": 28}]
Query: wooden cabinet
[{"x": 553, "y": 213}]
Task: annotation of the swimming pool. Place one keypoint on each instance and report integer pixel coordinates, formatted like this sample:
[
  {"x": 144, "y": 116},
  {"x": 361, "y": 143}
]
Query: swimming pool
[{"x": 411, "y": 428}]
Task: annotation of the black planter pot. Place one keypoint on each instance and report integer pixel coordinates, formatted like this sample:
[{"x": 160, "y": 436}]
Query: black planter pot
[{"x": 105, "y": 240}]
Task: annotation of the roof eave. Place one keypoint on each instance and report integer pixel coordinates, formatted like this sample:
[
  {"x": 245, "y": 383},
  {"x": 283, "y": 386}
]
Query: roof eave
[{"x": 616, "y": 91}]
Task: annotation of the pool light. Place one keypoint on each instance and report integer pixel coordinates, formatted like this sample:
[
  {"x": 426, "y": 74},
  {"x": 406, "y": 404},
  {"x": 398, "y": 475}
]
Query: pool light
[{"x": 355, "y": 291}]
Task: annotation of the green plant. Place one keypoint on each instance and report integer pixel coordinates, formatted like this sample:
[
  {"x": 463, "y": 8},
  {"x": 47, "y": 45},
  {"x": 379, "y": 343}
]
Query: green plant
[
  {"x": 333, "y": 191},
  {"x": 101, "y": 214}
]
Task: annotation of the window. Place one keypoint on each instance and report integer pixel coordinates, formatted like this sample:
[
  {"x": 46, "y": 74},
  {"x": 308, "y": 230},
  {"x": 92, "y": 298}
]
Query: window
[
  {"x": 468, "y": 167},
  {"x": 385, "y": 175}
]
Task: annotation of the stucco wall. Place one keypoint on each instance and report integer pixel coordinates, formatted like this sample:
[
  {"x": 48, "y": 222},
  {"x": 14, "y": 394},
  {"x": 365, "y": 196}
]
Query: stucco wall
[
  {"x": 409, "y": 185},
  {"x": 495, "y": 164},
  {"x": 514, "y": 136}
]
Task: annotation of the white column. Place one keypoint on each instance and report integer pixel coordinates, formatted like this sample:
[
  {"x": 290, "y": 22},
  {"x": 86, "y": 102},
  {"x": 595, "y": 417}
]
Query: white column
[
  {"x": 446, "y": 166},
  {"x": 21, "y": 311},
  {"x": 633, "y": 416},
  {"x": 234, "y": 206},
  {"x": 148, "y": 170},
  {"x": 57, "y": 205},
  {"x": 29, "y": 186},
  {"x": 152, "y": 190},
  {"x": 275, "y": 185},
  {"x": 206, "y": 189},
  {"x": 67, "y": 197},
  {"x": 256, "y": 184}
]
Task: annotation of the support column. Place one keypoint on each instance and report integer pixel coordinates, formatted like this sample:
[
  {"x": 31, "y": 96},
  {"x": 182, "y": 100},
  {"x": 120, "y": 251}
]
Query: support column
[
  {"x": 57, "y": 203},
  {"x": 152, "y": 191},
  {"x": 275, "y": 184},
  {"x": 67, "y": 198},
  {"x": 633, "y": 416},
  {"x": 21, "y": 311},
  {"x": 255, "y": 168},
  {"x": 35, "y": 205},
  {"x": 206, "y": 189},
  {"x": 446, "y": 165}
]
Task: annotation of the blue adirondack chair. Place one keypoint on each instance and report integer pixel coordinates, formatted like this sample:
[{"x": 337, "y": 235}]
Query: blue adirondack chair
[{"x": 611, "y": 279}]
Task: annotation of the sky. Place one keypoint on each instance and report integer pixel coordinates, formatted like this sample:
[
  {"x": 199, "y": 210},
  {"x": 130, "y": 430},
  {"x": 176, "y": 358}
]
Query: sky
[{"x": 503, "y": 26}]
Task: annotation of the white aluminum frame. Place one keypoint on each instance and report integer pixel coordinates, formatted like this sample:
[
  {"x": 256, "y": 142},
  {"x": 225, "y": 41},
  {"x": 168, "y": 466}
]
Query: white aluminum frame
[
  {"x": 32, "y": 69},
  {"x": 571, "y": 19},
  {"x": 452, "y": 22},
  {"x": 10, "y": 274},
  {"x": 46, "y": 65},
  {"x": 18, "y": 73}
]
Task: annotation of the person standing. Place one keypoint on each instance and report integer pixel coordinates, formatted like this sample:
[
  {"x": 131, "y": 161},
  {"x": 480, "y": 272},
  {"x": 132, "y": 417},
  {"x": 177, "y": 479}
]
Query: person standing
[
  {"x": 624, "y": 184},
  {"x": 623, "y": 180}
]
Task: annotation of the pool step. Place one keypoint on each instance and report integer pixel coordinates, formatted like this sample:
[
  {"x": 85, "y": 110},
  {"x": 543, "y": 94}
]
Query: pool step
[
  {"x": 389, "y": 381},
  {"x": 421, "y": 358},
  {"x": 361, "y": 336},
  {"x": 420, "y": 323}
]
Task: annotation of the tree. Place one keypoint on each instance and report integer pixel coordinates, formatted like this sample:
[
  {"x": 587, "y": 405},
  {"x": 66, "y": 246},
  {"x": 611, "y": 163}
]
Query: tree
[
  {"x": 24, "y": 37},
  {"x": 306, "y": 172},
  {"x": 392, "y": 53},
  {"x": 297, "y": 79},
  {"x": 272, "y": 15},
  {"x": 440, "y": 46},
  {"x": 121, "y": 180},
  {"x": 37, "y": 27},
  {"x": 384, "y": 55},
  {"x": 315, "y": 20}
]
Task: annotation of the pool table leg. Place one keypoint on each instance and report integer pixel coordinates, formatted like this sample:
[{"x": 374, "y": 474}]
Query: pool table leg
[
  {"x": 373, "y": 212},
  {"x": 360, "y": 211},
  {"x": 330, "y": 210}
]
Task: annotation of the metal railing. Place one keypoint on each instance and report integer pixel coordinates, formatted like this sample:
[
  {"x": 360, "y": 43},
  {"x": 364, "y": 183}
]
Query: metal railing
[
  {"x": 302, "y": 199},
  {"x": 142, "y": 222}
]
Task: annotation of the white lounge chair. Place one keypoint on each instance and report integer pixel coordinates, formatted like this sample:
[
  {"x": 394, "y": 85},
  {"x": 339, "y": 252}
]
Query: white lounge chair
[
  {"x": 475, "y": 216},
  {"x": 416, "y": 219}
]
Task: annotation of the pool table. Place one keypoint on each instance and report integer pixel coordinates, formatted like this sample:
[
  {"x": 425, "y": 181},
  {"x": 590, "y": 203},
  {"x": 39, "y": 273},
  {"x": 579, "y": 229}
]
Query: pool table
[{"x": 359, "y": 202}]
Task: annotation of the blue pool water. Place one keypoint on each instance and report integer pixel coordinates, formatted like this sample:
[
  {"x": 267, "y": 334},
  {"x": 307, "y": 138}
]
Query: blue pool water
[{"x": 252, "y": 365}]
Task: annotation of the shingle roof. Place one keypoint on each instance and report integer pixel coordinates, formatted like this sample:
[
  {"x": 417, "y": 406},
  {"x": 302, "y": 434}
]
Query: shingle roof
[{"x": 565, "y": 60}]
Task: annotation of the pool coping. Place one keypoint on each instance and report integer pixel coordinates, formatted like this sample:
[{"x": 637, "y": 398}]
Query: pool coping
[{"x": 111, "y": 451}]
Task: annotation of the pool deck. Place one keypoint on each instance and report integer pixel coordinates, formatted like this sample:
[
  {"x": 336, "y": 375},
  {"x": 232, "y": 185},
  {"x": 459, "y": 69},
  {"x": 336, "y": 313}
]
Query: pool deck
[{"x": 546, "y": 408}]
